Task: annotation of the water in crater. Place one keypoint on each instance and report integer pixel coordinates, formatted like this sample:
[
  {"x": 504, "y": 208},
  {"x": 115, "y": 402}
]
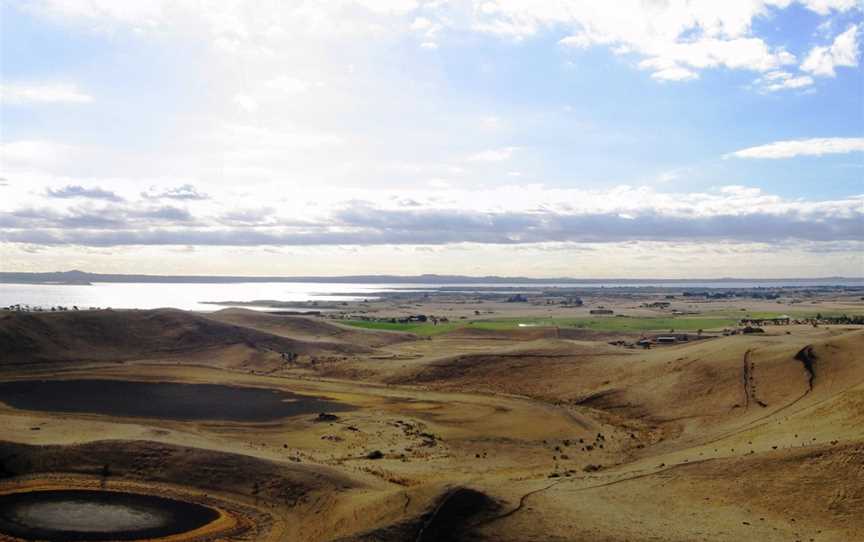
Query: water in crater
[
  {"x": 90, "y": 515},
  {"x": 168, "y": 400}
]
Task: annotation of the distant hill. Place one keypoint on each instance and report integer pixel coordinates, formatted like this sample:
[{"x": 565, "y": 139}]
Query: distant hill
[{"x": 82, "y": 277}]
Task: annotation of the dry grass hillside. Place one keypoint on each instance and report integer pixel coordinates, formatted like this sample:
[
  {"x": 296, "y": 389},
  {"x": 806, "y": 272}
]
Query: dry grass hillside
[
  {"x": 31, "y": 338},
  {"x": 704, "y": 387},
  {"x": 308, "y": 328},
  {"x": 513, "y": 435}
]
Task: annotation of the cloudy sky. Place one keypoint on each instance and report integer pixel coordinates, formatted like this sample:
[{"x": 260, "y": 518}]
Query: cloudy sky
[{"x": 634, "y": 138}]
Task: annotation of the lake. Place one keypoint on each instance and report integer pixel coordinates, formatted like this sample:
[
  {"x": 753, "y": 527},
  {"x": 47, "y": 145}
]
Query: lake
[
  {"x": 192, "y": 296},
  {"x": 124, "y": 295}
]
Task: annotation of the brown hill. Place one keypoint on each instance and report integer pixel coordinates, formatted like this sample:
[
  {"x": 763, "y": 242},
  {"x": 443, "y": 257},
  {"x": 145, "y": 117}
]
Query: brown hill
[
  {"x": 708, "y": 388},
  {"x": 308, "y": 328},
  {"x": 119, "y": 335},
  {"x": 540, "y": 368}
]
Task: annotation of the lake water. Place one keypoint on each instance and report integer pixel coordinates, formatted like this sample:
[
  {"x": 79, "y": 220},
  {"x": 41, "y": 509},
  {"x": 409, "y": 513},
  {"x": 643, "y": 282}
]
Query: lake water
[
  {"x": 191, "y": 296},
  {"x": 178, "y": 296}
]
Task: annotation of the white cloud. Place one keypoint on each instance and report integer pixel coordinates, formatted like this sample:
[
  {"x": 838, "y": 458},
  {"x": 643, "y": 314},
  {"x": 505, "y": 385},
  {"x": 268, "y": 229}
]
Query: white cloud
[
  {"x": 675, "y": 39},
  {"x": 802, "y": 147},
  {"x": 387, "y": 6},
  {"x": 825, "y": 7},
  {"x": 246, "y": 103},
  {"x": 740, "y": 53},
  {"x": 493, "y": 155},
  {"x": 428, "y": 30},
  {"x": 783, "y": 80},
  {"x": 288, "y": 85},
  {"x": 46, "y": 93},
  {"x": 580, "y": 41},
  {"x": 722, "y": 30},
  {"x": 678, "y": 38},
  {"x": 128, "y": 11},
  {"x": 843, "y": 52},
  {"x": 674, "y": 74},
  {"x": 421, "y": 23},
  {"x": 739, "y": 191}
]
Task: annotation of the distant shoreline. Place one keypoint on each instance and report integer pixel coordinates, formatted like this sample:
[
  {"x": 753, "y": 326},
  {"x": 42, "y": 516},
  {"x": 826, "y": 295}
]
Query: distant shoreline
[{"x": 84, "y": 278}]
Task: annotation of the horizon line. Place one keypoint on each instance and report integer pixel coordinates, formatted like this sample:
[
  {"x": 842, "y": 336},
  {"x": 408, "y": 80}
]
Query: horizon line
[{"x": 301, "y": 278}]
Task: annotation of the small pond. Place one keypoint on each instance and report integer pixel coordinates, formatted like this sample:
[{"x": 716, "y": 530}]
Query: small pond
[
  {"x": 91, "y": 515},
  {"x": 167, "y": 400}
]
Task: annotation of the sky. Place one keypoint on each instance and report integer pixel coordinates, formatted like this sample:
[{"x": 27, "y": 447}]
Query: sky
[{"x": 542, "y": 138}]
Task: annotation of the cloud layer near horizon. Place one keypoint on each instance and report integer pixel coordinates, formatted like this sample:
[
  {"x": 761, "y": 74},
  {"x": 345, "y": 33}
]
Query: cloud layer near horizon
[{"x": 507, "y": 215}]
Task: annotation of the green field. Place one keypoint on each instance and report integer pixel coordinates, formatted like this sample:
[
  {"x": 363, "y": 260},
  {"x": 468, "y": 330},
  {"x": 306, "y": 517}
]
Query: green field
[
  {"x": 737, "y": 314},
  {"x": 614, "y": 323},
  {"x": 424, "y": 329},
  {"x": 708, "y": 321}
]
